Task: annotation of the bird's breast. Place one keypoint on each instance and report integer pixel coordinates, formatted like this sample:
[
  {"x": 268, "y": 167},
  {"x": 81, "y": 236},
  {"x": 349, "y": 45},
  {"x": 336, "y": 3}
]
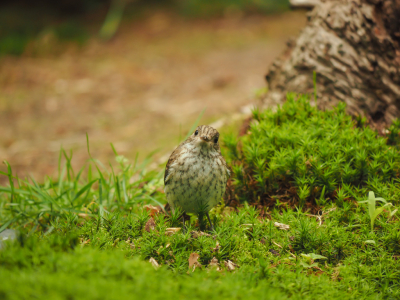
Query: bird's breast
[{"x": 197, "y": 179}]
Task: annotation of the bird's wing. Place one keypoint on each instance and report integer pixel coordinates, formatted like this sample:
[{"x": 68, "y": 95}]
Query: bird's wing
[
  {"x": 169, "y": 169},
  {"x": 228, "y": 172}
]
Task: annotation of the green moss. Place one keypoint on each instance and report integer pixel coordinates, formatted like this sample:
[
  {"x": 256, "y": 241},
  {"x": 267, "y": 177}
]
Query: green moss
[
  {"x": 304, "y": 156},
  {"x": 92, "y": 261}
]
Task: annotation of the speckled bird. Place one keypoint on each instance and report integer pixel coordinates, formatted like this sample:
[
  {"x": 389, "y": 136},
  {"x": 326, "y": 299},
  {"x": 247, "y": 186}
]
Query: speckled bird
[{"x": 196, "y": 173}]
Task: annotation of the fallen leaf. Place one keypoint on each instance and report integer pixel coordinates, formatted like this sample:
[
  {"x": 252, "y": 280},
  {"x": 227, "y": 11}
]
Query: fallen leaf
[
  {"x": 319, "y": 273},
  {"x": 86, "y": 242},
  {"x": 335, "y": 274},
  {"x": 281, "y": 226},
  {"x": 217, "y": 247},
  {"x": 193, "y": 258},
  {"x": 214, "y": 264},
  {"x": 230, "y": 265},
  {"x": 154, "y": 263},
  {"x": 82, "y": 215},
  {"x": 193, "y": 263},
  {"x": 158, "y": 251},
  {"x": 153, "y": 210},
  {"x": 274, "y": 252},
  {"x": 150, "y": 225},
  {"x": 262, "y": 241},
  {"x": 172, "y": 230},
  {"x": 196, "y": 234}
]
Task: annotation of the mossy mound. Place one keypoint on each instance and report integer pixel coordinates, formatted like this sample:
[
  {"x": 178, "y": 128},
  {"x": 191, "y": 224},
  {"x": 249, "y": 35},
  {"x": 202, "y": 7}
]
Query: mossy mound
[{"x": 303, "y": 156}]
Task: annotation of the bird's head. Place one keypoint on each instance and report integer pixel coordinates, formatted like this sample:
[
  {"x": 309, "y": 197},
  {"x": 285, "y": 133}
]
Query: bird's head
[{"x": 205, "y": 137}]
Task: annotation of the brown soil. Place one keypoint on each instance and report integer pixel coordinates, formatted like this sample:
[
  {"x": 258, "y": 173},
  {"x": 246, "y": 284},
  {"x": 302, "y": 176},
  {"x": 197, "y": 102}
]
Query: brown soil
[{"x": 142, "y": 91}]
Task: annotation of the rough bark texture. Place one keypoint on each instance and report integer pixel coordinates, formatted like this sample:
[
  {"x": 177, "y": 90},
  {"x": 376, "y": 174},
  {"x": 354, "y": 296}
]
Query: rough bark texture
[{"x": 353, "y": 46}]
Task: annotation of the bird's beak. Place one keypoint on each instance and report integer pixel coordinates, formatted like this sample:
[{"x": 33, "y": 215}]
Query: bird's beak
[{"x": 204, "y": 138}]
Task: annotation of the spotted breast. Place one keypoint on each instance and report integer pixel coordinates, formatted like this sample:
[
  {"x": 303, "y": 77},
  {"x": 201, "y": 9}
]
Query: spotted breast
[{"x": 196, "y": 173}]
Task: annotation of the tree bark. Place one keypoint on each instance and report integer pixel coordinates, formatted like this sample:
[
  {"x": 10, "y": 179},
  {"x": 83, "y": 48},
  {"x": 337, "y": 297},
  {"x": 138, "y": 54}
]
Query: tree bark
[{"x": 353, "y": 46}]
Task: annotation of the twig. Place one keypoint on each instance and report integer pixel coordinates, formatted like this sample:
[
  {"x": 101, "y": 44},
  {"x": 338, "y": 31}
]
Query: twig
[
  {"x": 319, "y": 217},
  {"x": 276, "y": 244}
]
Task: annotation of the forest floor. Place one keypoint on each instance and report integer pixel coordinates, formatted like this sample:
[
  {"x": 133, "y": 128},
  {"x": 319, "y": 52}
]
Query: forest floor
[{"x": 141, "y": 91}]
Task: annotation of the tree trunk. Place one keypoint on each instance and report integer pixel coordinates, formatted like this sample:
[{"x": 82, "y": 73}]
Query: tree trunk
[{"x": 353, "y": 46}]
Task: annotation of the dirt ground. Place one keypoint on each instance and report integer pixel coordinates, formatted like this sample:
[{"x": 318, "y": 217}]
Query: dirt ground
[{"x": 142, "y": 91}]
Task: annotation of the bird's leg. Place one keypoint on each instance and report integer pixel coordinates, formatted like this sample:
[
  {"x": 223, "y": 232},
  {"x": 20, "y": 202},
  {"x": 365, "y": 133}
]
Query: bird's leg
[
  {"x": 183, "y": 220},
  {"x": 202, "y": 224},
  {"x": 209, "y": 220}
]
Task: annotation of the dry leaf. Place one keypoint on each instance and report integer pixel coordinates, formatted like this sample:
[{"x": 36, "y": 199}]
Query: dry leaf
[
  {"x": 85, "y": 242},
  {"x": 150, "y": 225},
  {"x": 193, "y": 258},
  {"x": 153, "y": 210},
  {"x": 281, "y": 226},
  {"x": 217, "y": 247},
  {"x": 230, "y": 265},
  {"x": 82, "y": 215},
  {"x": 274, "y": 252},
  {"x": 193, "y": 263},
  {"x": 158, "y": 251},
  {"x": 154, "y": 263},
  {"x": 214, "y": 264},
  {"x": 335, "y": 274},
  {"x": 196, "y": 234},
  {"x": 172, "y": 230}
]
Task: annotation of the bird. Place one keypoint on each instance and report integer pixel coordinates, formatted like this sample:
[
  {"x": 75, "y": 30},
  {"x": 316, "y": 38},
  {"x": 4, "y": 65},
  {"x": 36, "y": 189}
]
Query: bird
[{"x": 196, "y": 174}]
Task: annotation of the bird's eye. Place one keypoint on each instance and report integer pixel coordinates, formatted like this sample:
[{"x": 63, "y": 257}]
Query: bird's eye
[
  {"x": 216, "y": 140},
  {"x": 196, "y": 132}
]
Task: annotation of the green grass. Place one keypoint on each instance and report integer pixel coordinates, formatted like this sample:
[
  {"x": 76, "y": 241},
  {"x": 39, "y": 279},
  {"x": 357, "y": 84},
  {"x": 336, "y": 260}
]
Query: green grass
[
  {"x": 95, "y": 189},
  {"x": 83, "y": 235}
]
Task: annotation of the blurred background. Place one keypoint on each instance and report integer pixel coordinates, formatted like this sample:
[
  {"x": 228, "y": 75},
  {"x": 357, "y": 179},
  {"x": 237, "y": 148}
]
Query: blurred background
[{"x": 133, "y": 73}]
